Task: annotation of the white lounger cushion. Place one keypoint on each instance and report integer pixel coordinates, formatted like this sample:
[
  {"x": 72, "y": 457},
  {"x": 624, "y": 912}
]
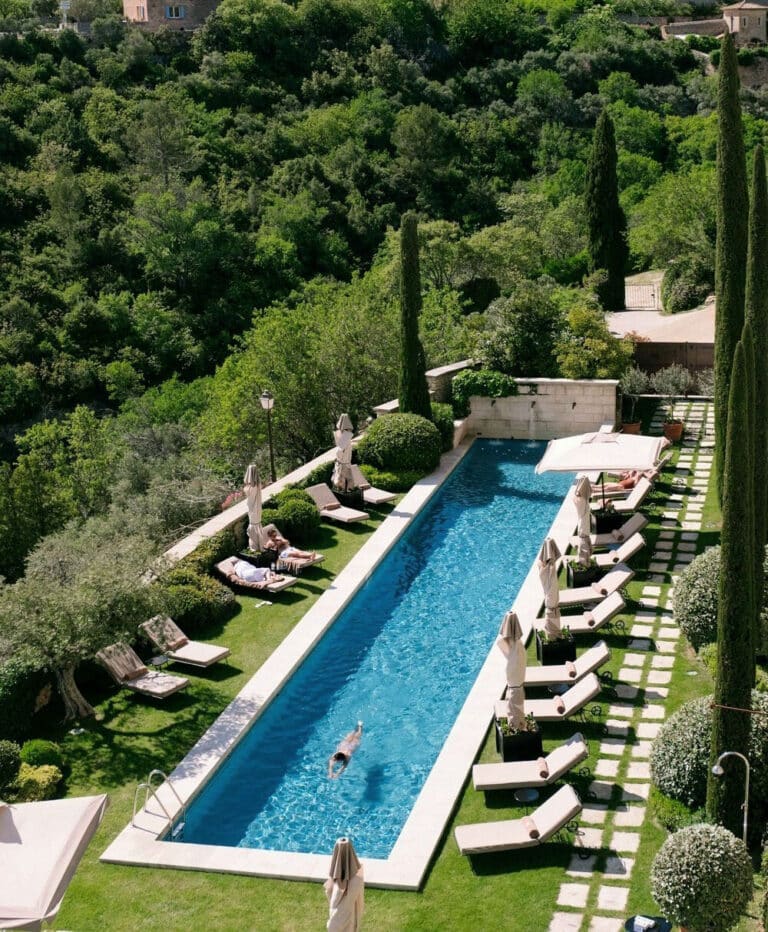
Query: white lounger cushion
[
  {"x": 621, "y": 554},
  {"x": 592, "y": 620},
  {"x": 330, "y": 507},
  {"x": 157, "y": 683},
  {"x": 552, "y": 815},
  {"x": 548, "y": 710},
  {"x": 168, "y": 637},
  {"x": 198, "y": 654},
  {"x": 515, "y": 774},
  {"x": 635, "y": 523},
  {"x": 588, "y": 662},
  {"x": 619, "y": 576},
  {"x": 370, "y": 495}
]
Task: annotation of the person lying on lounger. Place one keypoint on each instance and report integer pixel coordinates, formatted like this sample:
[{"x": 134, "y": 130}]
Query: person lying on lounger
[
  {"x": 343, "y": 753},
  {"x": 254, "y": 574},
  {"x": 283, "y": 546},
  {"x": 627, "y": 480}
]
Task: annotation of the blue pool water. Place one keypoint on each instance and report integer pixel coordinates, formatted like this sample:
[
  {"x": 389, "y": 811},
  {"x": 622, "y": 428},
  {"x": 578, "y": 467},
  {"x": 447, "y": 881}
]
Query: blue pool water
[{"x": 402, "y": 657}]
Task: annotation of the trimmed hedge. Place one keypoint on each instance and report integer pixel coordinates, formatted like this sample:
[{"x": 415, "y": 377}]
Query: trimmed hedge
[
  {"x": 483, "y": 382},
  {"x": 36, "y": 783},
  {"x": 194, "y": 600},
  {"x": 391, "y": 481},
  {"x": 702, "y": 878},
  {"x": 442, "y": 418},
  {"x": 401, "y": 441},
  {"x": 38, "y": 752},
  {"x": 321, "y": 473},
  {"x": 215, "y": 549},
  {"x": 695, "y": 599},
  {"x": 671, "y": 814},
  {"x": 10, "y": 761},
  {"x": 680, "y": 752},
  {"x": 294, "y": 512}
]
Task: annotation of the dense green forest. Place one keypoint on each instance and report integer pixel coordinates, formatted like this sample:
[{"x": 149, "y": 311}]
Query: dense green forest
[{"x": 187, "y": 220}]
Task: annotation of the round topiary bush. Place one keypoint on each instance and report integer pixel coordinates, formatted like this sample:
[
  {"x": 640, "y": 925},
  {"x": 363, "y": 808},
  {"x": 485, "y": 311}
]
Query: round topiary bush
[
  {"x": 702, "y": 878},
  {"x": 696, "y": 597},
  {"x": 294, "y": 512},
  {"x": 680, "y": 752},
  {"x": 38, "y": 752},
  {"x": 391, "y": 481},
  {"x": 401, "y": 441},
  {"x": 35, "y": 783},
  {"x": 10, "y": 761}
]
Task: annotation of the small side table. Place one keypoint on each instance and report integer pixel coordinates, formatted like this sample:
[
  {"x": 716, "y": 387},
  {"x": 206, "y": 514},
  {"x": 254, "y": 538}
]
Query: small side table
[
  {"x": 558, "y": 689},
  {"x": 527, "y": 795},
  {"x": 159, "y": 661}
]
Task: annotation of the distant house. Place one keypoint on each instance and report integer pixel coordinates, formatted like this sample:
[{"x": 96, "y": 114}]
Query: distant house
[
  {"x": 744, "y": 20},
  {"x": 186, "y": 14}
]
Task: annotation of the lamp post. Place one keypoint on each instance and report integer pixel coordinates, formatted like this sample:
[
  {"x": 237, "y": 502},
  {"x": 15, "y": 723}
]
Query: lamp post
[
  {"x": 267, "y": 400},
  {"x": 718, "y": 771}
]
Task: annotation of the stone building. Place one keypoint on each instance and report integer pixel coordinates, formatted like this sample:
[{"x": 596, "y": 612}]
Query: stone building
[
  {"x": 181, "y": 14},
  {"x": 744, "y": 20}
]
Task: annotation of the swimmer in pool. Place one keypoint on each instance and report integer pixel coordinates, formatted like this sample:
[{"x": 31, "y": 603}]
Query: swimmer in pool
[{"x": 343, "y": 753}]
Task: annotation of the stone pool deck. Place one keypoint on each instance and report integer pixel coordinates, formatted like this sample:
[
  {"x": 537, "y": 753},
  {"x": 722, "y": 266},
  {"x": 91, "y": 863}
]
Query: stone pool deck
[
  {"x": 600, "y": 885},
  {"x": 409, "y": 860}
]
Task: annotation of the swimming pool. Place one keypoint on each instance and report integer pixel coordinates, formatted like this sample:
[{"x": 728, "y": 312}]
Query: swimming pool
[{"x": 402, "y": 657}]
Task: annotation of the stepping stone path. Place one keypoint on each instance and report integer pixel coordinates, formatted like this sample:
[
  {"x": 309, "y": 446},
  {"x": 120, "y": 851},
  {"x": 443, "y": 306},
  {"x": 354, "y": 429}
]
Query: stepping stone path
[{"x": 612, "y": 817}]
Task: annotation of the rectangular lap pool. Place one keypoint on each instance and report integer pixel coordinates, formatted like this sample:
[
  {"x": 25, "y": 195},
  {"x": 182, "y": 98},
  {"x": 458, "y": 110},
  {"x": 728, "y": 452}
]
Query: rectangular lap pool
[{"x": 402, "y": 657}]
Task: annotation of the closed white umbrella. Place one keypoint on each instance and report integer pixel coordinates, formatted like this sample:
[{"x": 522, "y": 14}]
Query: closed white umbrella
[
  {"x": 41, "y": 845},
  {"x": 252, "y": 489},
  {"x": 581, "y": 495},
  {"x": 344, "y": 888},
  {"x": 510, "y": 642},
  {"x": 546, "y": 563},
  {"x": 342, "y": 473}
]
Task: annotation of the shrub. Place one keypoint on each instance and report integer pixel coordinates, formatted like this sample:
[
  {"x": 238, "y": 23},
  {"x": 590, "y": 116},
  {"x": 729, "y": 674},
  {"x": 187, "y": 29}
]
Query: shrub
[
  {"x": 20, "y": 686},
  {"x": 671, "y": 382},
  {"x": 634, "y": 383},
  {"x": 37, "y": 752},
  {"x": 35, "y": 783},
  {"x": 401, "y": 441},
  {"x": 294, "y": 512},
  {"x": 686, "y": 283},
  {"x": 680, "y": 752},
  {"x": 482, "y": 382},
  {"x": 442, "y": 418},
  {"x": 194, "y": 600},
  {"x": 702, "y": 878},
  {"x": 391, "y": 481},
  {"x": 10, "y": 761},
  {"x": 321, "y": 473},
  {"x": 696, "y": 596},
  {"x": 671, "y": 814},
  {"x": 217, "y": 548},
  {"x": 705, "y": 382}
]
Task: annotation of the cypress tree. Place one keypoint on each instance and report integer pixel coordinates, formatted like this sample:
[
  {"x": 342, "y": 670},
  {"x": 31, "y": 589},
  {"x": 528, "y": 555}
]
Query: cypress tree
[
  {"x": 414, "y": 394},
  {"x": 730, "y": 729},
  {"x": 755, "y": 569},
  {"x": 756, "y": 313},
  {"x": 606, "y": 223},
  {"x": 731, "y": 252}
]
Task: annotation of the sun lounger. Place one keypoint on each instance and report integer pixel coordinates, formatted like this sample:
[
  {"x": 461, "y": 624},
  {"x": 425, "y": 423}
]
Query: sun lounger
[
  {"x": 619, "y": 576},
  {"x": 330, "y": 507},
  {"x": 168, "y": 637},
  {"x": 632, "y": 502},
  {"x": 588, "y": 622},
  {"x": 227, "y": 569},
  {"x": 528, "y": 832},
  {"x": 633, "y": 525},
  {"x": 650, "y": 474},
  {"x": 588, "y": 662},
  {"x": 572, "y": 702},
  {"x": 620, "y": 554},
  {"x": 293, "y": 565},
  {"x": 543, "y": 772},
  {"x": 126, "y": 668},
  {"x": 371, "y": 496}
]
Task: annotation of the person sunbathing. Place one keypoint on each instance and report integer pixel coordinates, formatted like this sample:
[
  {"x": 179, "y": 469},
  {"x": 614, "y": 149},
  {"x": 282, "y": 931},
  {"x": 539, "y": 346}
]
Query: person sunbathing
[
  {"x": 254, "y": 574},
  {"x": 627, "y": 480},
  {"x": 282, "y": 545},
  {"x": 343, "y": 753}
]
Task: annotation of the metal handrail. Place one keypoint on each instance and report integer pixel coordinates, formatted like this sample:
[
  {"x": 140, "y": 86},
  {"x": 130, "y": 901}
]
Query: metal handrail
[{"x": 149, "y": 790}]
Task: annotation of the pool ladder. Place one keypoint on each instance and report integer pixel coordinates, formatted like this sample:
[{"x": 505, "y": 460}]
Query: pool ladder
[{"x": 177, "y": 831}]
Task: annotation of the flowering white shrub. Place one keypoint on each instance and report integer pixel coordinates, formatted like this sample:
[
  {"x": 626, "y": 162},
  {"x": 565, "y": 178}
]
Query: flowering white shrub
[
  {"x": 680, "y": 752},
  {"x": 702, "y": 878}
]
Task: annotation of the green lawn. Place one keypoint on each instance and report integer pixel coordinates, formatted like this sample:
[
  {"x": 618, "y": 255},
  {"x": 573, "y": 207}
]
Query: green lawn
[{"x": 514, "y": 892}]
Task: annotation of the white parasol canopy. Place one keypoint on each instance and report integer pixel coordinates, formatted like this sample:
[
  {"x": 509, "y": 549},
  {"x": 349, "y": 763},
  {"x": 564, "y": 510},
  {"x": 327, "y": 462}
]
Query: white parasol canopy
[
  {"x": 252, "y": 489},
  {"x": 342, "y": 474},
  {"x": 344, "y": 888},
  {"x": 41, "y": 845},
  {"x": 546, "y": 562},
  {"x": 600, "y": 452},
  {"x": 581, "y": 495},
  {"x": 510, "y": 642}
]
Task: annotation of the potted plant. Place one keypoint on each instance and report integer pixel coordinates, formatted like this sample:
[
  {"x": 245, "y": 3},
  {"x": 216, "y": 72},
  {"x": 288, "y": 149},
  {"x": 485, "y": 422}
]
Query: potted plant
[
  {"x": 606, "y": 519},
  {"x": 671, "y": 382},
  {"x": 519, "y": 743},
  {"x": 633, "y": 383},
  {"x": 556, "y": 650},
  {"x": 580, "y": 574}
]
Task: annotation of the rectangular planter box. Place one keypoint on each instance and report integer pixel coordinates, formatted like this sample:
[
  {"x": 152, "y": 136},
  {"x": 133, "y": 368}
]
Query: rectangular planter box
[
  {"x": 555, "y": 652},
  {"x": 351, "y": 499},
  {"x": 526, "y": 745},
  {"x": 578, "y": 576},
  {"x": 606, "y": 521},
  {"x": 266, "y": 558}
]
